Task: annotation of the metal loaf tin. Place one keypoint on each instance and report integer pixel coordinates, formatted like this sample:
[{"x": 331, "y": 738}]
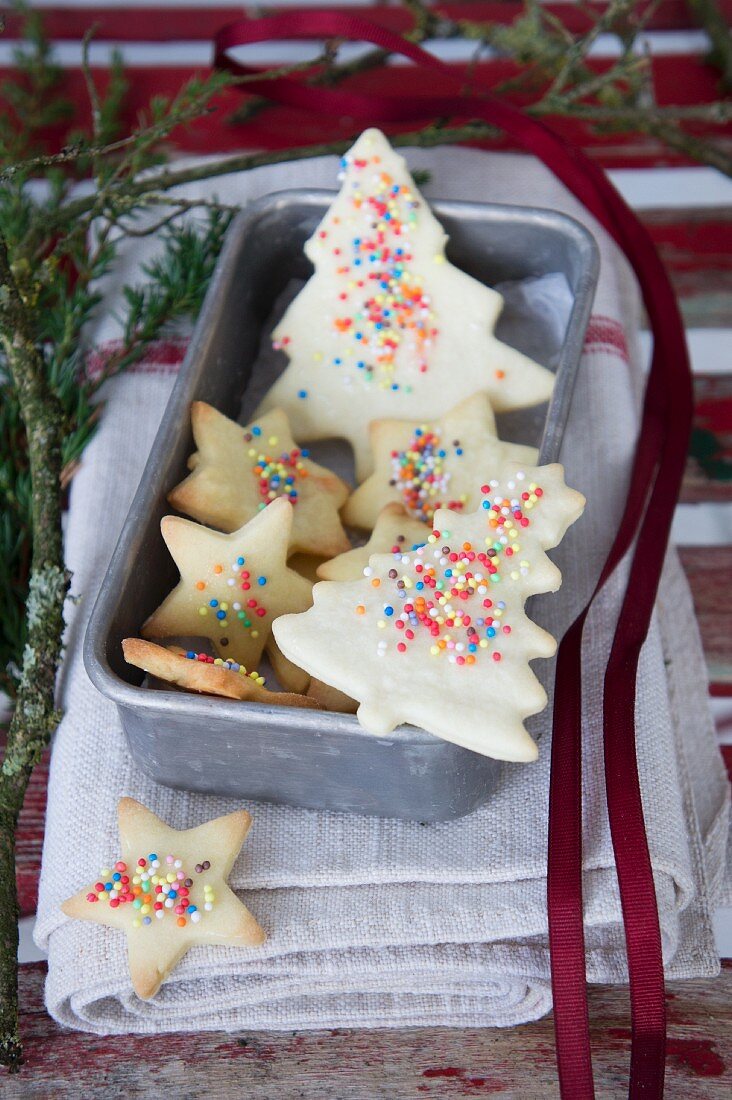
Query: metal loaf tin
[{"x": 305, "y": 758}]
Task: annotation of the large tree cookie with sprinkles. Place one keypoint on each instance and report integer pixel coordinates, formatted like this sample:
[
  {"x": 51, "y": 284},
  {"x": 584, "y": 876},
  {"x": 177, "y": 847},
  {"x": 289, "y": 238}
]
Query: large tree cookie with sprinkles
[
  {"x": 208, "y": 675},
  {"x": 231, "y": 586},
  {"x": 236, "y": 472},
  {"x": 393, "y": 531},
  {"x": 167, "y": 892},
  {"x": 438, "y": 636},
  {"x": 386, "y": 326},
  {"x": 431, "y": 465}
]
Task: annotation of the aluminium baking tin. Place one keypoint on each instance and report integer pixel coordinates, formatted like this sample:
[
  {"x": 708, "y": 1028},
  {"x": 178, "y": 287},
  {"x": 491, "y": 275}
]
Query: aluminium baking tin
[{"x": 306, "y": 757}]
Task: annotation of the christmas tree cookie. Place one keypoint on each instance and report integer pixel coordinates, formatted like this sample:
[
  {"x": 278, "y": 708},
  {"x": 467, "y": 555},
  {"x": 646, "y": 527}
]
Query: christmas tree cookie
[
  {"x": 394, "y": 530},
  {"x": 236, "y": 472},
  {"x": 167, "y": 892},
  {"x": 387, "y": 326},
  {"x": 438, "y": 636},
  {"x": 431, "y": 465},
  {"x": 231, "y": 586}
]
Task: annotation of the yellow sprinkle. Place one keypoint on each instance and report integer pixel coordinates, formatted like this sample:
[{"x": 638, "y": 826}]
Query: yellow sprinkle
[{"x": 272, "y": 440}]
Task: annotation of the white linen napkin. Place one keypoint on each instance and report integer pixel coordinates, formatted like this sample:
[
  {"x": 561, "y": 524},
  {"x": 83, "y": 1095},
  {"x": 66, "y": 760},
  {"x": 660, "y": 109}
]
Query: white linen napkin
[{"x": 378, "y": 922}]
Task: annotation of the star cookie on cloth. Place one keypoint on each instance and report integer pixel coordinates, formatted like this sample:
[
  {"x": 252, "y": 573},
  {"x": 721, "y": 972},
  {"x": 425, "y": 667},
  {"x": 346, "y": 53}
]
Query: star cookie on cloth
[
  {"x": 431, "y": 465},
  {"x": 232, "y": 586},
  {"x": 394, "y": 530},
  {"x": 438, "y": 636},
  {"x": 387, "y": 326},
  {"x": 236, "y": 472},
  {"x": 200, "y": 672},
  {"x": 167, "y": 892}
]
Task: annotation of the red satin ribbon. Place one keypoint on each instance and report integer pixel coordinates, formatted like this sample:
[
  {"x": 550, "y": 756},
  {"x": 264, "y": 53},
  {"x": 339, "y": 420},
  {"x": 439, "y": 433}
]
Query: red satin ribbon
[{"x": 654, "y": 486}]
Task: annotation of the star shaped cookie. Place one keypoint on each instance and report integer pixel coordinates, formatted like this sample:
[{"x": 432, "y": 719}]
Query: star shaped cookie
[
  {"x": 231, "y": 586},
  {"x": 394, "y": 530},
  {"x": 432, "y": 464},
  {"x": 236, "y": 472},
  {"x": 200, "y": 672},
  {"x": 167, "y": 892},
  {"x": 438, "y": 636},
  {"x": 387, "y": 326}
]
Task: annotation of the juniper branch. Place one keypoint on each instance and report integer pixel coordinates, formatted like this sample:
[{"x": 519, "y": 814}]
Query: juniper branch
[{"x": 34, "y": 716}]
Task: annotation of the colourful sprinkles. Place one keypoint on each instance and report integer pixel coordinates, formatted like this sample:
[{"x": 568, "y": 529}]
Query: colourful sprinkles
[
  {"x": 382, "y": 303},
  {"x": 420, "y": 474},
  {"x": 153, "y": 889},
  {"x": 447, "y": 590},
  {"x": 243, "y": 611},
  {"x": 228, "y": 666},
  {"x": 277, "y": 475}
]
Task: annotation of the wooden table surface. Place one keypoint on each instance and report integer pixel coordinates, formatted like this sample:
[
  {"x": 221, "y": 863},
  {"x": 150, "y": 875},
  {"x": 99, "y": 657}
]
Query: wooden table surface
[{"x": 695, "y": 241}]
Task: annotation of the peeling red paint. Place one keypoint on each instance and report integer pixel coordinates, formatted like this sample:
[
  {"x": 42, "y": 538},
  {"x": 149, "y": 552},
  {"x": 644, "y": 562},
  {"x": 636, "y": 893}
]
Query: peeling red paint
[
  {"x": 698, "y": 1055},
  {"x": 483, "y": 1084}
]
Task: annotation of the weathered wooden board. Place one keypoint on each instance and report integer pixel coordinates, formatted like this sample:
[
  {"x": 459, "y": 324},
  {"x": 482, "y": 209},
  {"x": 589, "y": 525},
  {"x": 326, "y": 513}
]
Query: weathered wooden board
[
  {"x": 410, "y": 1064},
  {"x": 709, "y": 570},
  {"x": 160, "y": 23}
]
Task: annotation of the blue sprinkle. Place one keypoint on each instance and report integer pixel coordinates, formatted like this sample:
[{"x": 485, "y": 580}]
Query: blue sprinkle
[
  {"x": 486, "y": 504},
  {"x": 116, "y": 876},
  {"x": 261, "y": 580},
  {"x": 191, "y": 909},
  {"x": 472, "y": 647},
  {"x": 190, "y": 655},
  {"x": 213, "y": 603},
  {"x": 220, "y": 614},
  {"x": 442, "y": 454},
  {"x": 305, "y": 453},
  {"x": 458, "y": 450},
  {"x": 338, "y": 362},
  {"x": 147, "y": 920},
  {"x": 256, "y": 430},
  {"x": 419, "y": 585},
  {"x": 302, "y": 393},
  {"x": 172, "y": 893},
  {"x": 418, "y": 432},
  {"x": 388, "y": 610},
  {"x": 490, "y": 632},
  {"x": 107, "y": 885},
  {"x": 394, "y": 386},
  {"x": 240, "y": 561},
  {"x": 152, "y": 856}
]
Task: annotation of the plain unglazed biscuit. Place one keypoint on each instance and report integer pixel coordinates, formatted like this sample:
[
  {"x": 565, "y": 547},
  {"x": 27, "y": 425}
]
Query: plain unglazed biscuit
[
  {"x": 438, "y": 636},
  {"x": 167, "y": 891},
  {"x": 196, "y": 673},
  {"x": 231, "y": 587},
  {"x": 237, "y": 471}
]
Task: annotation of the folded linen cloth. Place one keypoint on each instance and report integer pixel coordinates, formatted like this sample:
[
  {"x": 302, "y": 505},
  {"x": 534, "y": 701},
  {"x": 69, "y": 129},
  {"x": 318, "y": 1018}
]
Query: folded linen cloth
[{"x": 378, "y": 922}]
